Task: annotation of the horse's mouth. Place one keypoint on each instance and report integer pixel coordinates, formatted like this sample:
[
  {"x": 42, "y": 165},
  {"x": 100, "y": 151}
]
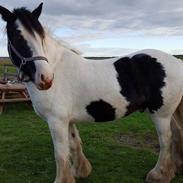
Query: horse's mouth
[{"x": 45, "y": 85}]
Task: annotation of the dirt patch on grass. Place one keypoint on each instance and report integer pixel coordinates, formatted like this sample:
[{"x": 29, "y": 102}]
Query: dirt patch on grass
[{"x": 146, "y": 141}]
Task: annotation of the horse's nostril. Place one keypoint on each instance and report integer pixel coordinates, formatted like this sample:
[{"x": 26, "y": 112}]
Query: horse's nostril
[{"x": 42, "y": 77}]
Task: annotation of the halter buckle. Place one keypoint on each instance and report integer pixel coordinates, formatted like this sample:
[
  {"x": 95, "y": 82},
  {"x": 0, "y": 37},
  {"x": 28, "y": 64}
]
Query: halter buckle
[{"x": 23, "y": 61}]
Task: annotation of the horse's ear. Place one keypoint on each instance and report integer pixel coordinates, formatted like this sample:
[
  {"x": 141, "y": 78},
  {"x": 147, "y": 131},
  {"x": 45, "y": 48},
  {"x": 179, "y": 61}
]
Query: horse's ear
[
  {"x": 6, "y": 14},
  {"x": 37, "y": 11}
]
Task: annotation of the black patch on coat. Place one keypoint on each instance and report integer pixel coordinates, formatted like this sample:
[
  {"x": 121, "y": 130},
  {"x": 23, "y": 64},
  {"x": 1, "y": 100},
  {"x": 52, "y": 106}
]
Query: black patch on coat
[
  {"x": 141, "y": 79},
  {"x": 101, "y": 111},
  {"x": 21, "y": 46}
]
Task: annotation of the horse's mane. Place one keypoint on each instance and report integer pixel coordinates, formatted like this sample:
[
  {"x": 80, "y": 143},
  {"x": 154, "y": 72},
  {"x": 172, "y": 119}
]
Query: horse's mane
[
  {"x": 61, "y": 42},
  {"x": 68, "y": 46}
]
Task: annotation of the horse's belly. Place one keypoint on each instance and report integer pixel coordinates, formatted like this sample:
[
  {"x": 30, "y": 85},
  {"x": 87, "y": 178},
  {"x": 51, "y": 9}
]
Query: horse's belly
[{"x": 102, "y": 110}]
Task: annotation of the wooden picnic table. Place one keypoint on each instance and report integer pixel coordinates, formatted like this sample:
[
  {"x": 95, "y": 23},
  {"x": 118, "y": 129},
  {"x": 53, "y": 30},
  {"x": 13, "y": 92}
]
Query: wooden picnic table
[{"x": 12, "y": 92}]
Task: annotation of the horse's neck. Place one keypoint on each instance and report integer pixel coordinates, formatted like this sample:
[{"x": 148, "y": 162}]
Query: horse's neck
[
  {"x": 53, "y": 50},
  {"x": 58, "y": 53}
]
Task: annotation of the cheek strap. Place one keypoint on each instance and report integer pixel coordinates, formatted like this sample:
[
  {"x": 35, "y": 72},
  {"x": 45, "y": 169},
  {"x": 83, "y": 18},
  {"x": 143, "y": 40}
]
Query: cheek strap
[{"x": 24, "y": 61}]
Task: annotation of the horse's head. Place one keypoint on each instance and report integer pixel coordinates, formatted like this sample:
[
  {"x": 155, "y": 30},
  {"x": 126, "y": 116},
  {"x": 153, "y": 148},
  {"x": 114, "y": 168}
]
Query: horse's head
[{"x": 26, "y": 45}]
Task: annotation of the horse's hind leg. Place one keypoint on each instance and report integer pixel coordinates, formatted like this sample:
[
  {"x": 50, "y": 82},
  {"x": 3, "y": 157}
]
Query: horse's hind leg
[
  {"x": 81, "y": 166},
  {"x": 177, "y": 137},
  {"x": 163, "y": 172}
]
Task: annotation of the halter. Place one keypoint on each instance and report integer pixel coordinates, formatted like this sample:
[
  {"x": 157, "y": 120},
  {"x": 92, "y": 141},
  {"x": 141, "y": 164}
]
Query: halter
[{"x": 23, "y": 59}]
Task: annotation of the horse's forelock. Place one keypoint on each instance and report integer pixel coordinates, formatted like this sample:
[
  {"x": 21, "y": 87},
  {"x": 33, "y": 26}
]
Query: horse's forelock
[{"x": 29, "y": 21}]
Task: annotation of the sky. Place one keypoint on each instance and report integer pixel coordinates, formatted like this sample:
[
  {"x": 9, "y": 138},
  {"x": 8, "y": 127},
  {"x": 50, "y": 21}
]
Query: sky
[{"x": 109, "y": 27}]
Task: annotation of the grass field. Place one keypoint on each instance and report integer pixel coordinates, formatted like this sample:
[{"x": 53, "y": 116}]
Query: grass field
[
  {"x": 121, "y": 151},
  {"x": 10, "y": 69}
]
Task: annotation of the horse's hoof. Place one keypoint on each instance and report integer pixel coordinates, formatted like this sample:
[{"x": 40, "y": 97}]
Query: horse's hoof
[
  {"x": 155, "y": 176},
  {"x": 83, "y": 169},
  {"x": 69, "y": 179}
]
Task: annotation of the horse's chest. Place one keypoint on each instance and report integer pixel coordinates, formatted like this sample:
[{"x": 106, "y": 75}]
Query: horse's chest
[
  {"x": 40, "y": 109},
  {"x": 40, "y": 101}
]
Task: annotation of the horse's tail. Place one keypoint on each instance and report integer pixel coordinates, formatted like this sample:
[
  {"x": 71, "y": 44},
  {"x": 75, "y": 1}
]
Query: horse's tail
[{"x": 177, "y": 137}]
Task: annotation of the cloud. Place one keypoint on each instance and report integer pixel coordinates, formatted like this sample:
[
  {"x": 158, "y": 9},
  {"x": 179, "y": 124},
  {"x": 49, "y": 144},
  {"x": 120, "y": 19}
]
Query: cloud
[
  {"x": 176, "y": 51},
  {"x": 91, "y": 20},
  {"x": 106, "y": 15}
]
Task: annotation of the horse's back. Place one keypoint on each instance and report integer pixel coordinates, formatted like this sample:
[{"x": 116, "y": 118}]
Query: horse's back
[{"x": 172, "y": 66}]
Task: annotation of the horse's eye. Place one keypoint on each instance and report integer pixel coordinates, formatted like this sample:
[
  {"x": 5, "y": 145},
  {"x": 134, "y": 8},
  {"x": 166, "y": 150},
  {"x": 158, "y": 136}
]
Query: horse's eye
[{"x": 18, "y": 37}]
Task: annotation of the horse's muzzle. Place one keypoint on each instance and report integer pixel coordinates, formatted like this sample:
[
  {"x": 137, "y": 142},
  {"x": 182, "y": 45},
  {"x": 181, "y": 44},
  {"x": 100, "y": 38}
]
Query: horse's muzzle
[{"x": 45, "y": 83}]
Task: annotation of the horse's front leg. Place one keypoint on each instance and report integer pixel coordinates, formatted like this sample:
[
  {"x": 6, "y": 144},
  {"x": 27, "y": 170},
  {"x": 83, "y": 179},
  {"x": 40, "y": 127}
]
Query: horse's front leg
[
  {"x": 81, "y": 166},
  {"x": 60, "y": 136},
  {"x": 164, "y": 170}
]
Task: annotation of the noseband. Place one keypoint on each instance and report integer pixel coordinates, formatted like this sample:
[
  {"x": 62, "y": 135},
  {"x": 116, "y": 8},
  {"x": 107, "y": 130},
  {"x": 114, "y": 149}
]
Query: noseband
[{"x": 23, "y": 59}]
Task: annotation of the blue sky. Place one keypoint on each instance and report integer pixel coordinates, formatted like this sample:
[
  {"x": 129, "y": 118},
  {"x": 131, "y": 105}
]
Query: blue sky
[{"x": 109, "y": 28}]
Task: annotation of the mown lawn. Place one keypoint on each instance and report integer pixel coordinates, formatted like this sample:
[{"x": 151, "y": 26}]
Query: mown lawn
[{"x": 120, "y": 152}]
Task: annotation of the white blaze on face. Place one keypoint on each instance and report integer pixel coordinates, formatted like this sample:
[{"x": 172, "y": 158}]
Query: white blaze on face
[{"x": 44, "y": 74}]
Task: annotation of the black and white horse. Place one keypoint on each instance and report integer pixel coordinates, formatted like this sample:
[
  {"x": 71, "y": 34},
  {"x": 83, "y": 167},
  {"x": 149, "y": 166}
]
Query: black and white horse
[{"x": 66, "y": 88}]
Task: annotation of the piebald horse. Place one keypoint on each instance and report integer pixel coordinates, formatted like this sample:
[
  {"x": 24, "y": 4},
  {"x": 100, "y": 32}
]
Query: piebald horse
[{"x": 66, "y": 88}]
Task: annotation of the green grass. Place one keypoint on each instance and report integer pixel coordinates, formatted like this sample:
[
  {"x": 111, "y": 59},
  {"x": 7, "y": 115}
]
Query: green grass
[
  {"x": 26, "y": 151},
  {"x": 10, "y": 69}
]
